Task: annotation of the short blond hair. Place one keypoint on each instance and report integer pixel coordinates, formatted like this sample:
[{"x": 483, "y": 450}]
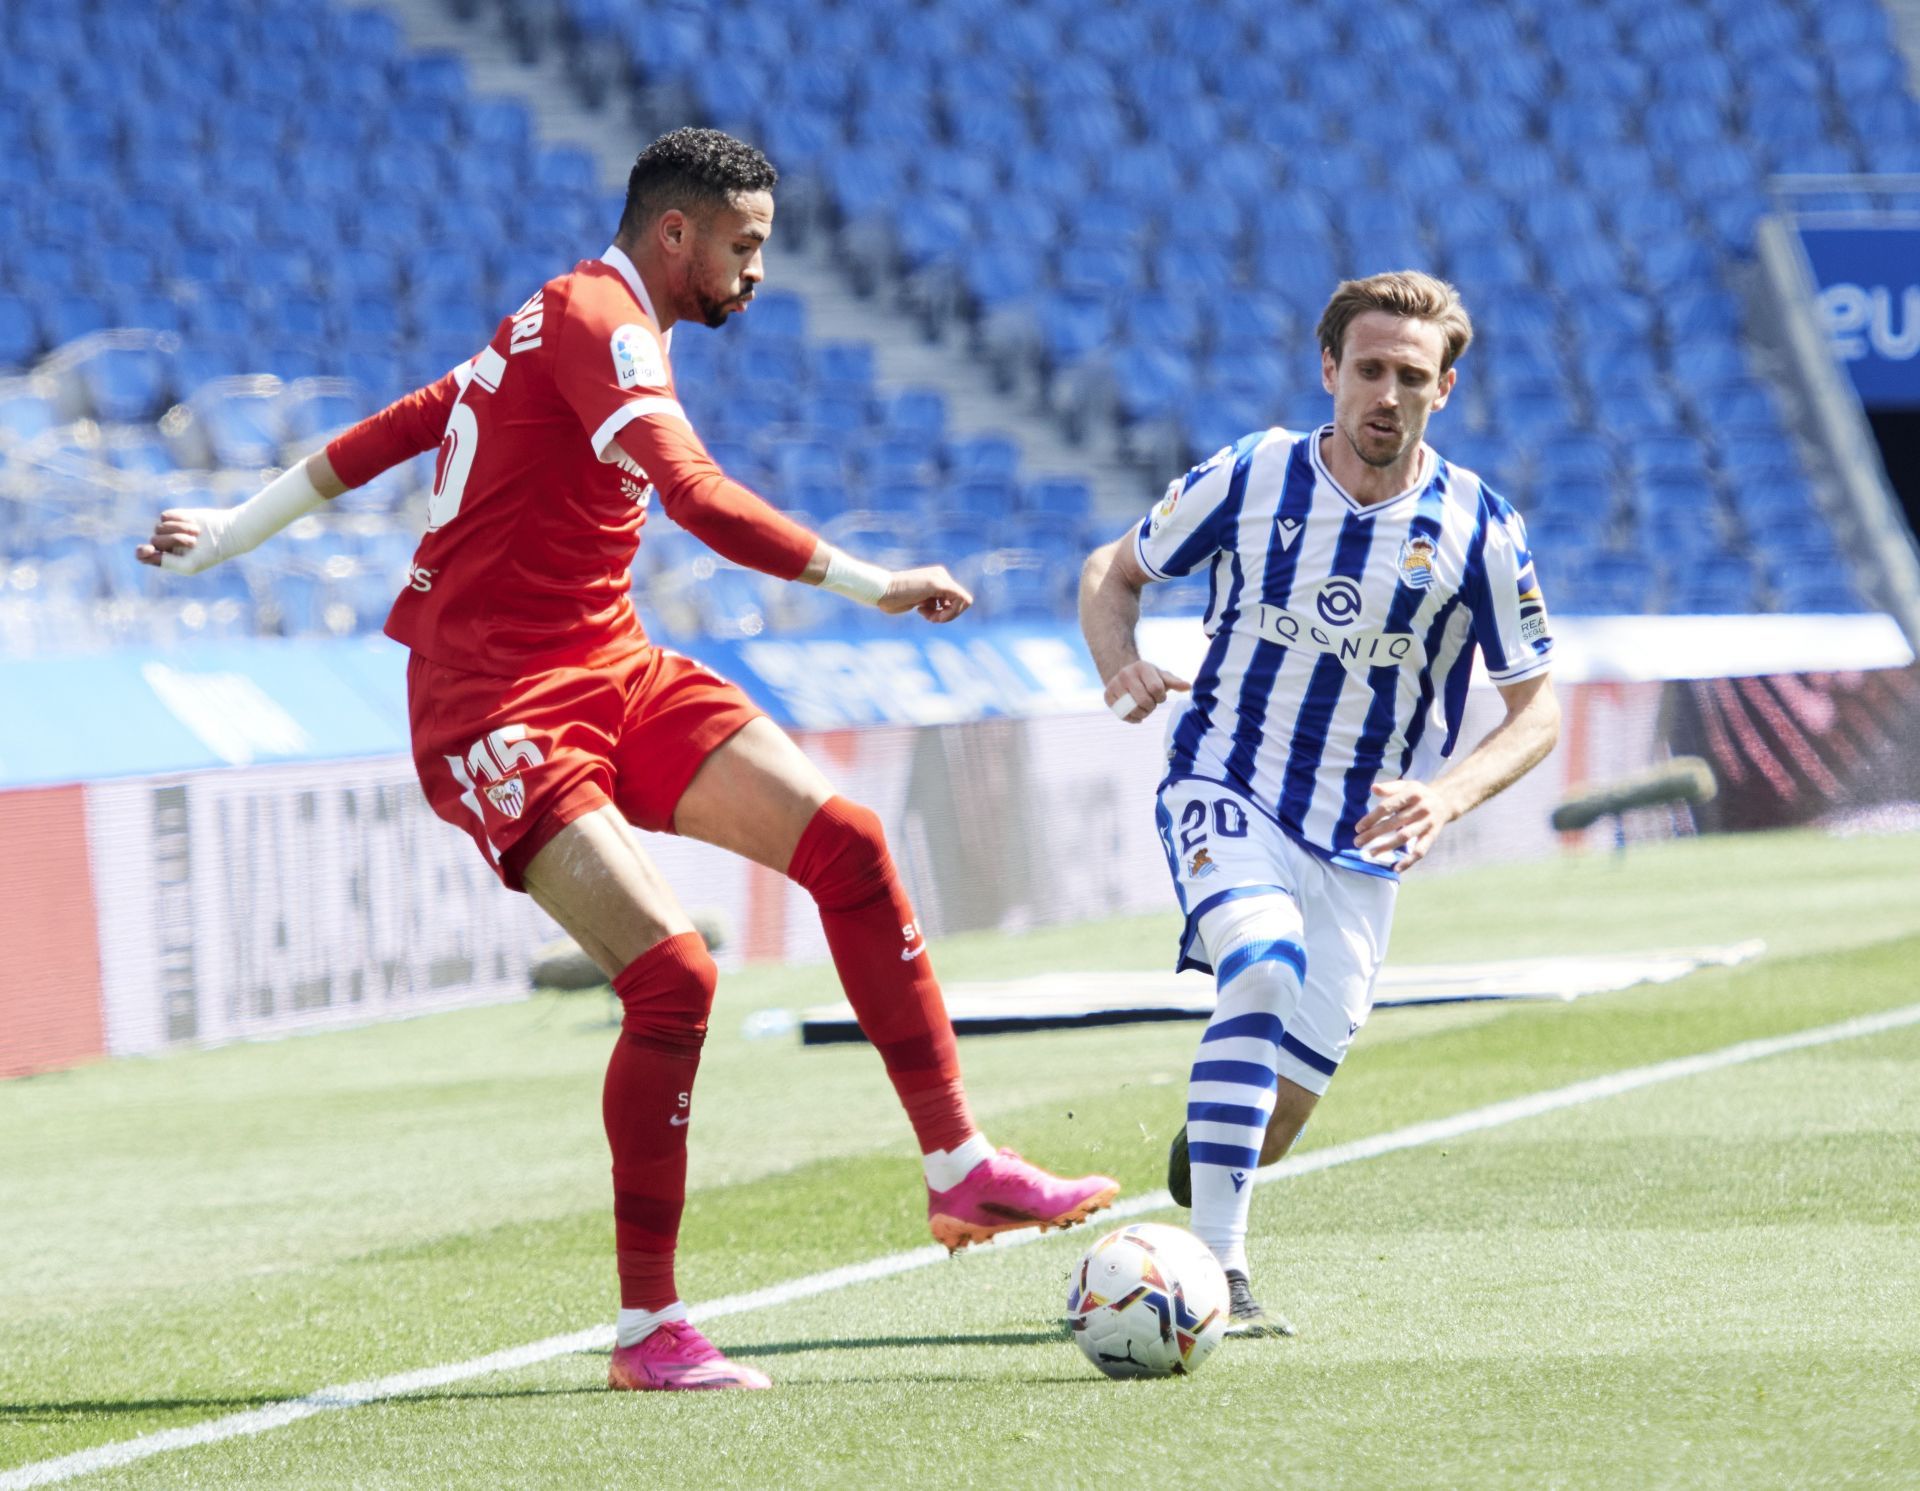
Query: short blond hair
[{"x": 1403, "y": 292}]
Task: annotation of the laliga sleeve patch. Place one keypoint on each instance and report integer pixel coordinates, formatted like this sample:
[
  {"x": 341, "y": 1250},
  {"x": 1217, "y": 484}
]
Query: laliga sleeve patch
[
  {"x": 637, "y": 361},
  {"x": 1164, "y": 508}
]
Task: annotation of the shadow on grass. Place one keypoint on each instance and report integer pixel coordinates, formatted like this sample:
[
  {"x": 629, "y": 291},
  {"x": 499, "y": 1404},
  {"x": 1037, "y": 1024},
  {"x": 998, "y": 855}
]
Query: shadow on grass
[
  {"x": 54, "y": 1412},
  {"x": 875, "y": 1343},
  {"x": 44, "y": 1413}
]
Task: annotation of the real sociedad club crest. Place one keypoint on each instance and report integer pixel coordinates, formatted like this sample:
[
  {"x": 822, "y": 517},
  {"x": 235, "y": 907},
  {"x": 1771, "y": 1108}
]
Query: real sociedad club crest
[
  {"x": 508, "y": 796},
  {"x": 1416, "y": 560}
]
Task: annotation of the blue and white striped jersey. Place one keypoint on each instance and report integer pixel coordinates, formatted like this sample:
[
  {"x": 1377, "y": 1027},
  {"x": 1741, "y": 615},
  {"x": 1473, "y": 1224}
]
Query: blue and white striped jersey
[{"x": 1343, "y": 635}]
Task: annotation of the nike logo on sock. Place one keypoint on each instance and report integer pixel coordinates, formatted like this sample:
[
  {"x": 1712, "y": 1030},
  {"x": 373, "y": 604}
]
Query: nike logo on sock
[
  {"x": 913, "y": 952},
  {"x": 1239, "y": 1179},
  {"x": 681, "y": 1123}
]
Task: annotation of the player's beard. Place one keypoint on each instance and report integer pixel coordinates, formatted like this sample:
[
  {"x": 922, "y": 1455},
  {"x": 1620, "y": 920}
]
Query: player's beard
[
  {"x": 1359, "y": 437},
  {"x": 715, "y": 312}
]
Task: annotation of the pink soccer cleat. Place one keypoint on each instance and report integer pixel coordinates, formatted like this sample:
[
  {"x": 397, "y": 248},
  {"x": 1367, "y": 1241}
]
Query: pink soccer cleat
[
  {"x": 1005, "y": 1193},
  {"x": 677, "y": 1358}
]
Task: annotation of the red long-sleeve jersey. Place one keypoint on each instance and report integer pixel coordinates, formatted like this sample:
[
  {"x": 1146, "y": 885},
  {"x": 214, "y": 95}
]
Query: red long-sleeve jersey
[{"x": 548, "y": 440}]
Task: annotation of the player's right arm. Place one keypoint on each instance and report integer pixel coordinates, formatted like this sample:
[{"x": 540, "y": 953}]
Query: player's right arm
[
  {"x": 189, "y": 540},
  {"x": 1110, "y": 584},
  {"x": 1185, "y": 529}
]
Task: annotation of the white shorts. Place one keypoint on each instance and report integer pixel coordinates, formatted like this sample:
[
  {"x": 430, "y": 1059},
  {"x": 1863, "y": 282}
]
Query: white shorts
[{"x": 1221, "y": 848}]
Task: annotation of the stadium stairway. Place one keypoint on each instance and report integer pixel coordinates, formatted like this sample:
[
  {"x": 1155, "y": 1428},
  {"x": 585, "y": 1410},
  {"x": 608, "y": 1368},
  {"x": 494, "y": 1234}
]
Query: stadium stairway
[{"x": 499, "y": 62}]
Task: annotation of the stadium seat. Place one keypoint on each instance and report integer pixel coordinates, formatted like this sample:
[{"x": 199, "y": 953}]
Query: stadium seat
[
  {"x": 1196, "y": 176},
  {"x": 127, "y": 380},
  {"x": 19, "y": 336},
  {"x": 240, "y": 421}
]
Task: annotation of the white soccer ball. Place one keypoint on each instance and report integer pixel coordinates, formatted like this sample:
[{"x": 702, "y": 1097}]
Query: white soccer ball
[{"x": 1148, "y": 1301}]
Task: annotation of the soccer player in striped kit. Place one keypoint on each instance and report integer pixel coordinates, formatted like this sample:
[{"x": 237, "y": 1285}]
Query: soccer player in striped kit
[{"x": 1354, "y": 574}]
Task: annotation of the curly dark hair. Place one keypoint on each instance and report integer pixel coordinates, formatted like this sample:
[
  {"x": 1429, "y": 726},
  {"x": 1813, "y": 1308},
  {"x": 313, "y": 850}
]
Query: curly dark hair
[{"x": 693, "y": 170}]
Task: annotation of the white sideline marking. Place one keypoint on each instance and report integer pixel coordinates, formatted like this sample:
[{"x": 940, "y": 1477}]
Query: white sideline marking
[{"x": 374, "y": 1390}]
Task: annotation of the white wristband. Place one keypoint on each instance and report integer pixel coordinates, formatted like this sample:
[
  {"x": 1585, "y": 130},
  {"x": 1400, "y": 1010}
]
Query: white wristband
[
  {"x": 227, "y": 531},
  {"x": 855, "y": 578}
]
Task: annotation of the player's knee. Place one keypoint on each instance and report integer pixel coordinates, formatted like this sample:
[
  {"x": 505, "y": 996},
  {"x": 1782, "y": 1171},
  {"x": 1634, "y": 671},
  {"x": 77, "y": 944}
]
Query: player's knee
[
  {"x": 842, "y": 860},
  {"x": 670, "y": 1012},
  {"x": 1256, "y": 942}
]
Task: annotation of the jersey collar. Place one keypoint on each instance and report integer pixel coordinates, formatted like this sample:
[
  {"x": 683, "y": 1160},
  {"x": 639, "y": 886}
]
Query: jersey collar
[
  {"x": 1429, "y": 463},
  {"x": 617, "y": 257}
]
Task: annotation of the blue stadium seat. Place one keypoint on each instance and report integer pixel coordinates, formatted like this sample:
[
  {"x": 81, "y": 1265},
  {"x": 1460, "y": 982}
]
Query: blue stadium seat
[
  {"x": 1059, "y": 498},
  {"x": 1157, "y": 318},
  {"x": 843, "y": 368},
  {"x": 241, "y": 422},
  {"x": 1147, "y": 378},
  {"x": 918, "y": 413},
  {"x": 1734, "y": 404},
  {"x": 1254, "y": 323},
  {"x": 1073, "y": 325},
  {"x": 984, "y": 457},
  {"x": 19, "y": 335},
  {"x": 68, "y": 317},
  {"x": 127, "y": 383},
  {"x": 1213, "y": 129},
  {"x": 1098, "y": 269},
  {"x": 1020, "y": 585},
  {"x": 799, "y": 464},
  {"x": 318, "y": 407},
  {"x": 1002, "y": 275},
  {"x": 1821, "y": 586},
  {"x": 889, "y": 459}
]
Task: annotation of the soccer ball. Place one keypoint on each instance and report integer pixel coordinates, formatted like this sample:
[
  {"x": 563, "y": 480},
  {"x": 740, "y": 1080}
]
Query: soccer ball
[{"x": 1147, "y": 1301}]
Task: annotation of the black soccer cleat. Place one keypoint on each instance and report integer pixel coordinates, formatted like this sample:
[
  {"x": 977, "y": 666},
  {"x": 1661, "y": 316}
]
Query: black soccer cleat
[
  {"x": 1246, "y": 1317},
  {"x": 1180, "y": 1170}
]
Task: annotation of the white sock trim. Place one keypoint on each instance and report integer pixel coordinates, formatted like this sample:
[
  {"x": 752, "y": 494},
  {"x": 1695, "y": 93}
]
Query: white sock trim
[
  {"x": 634, "y": 1326},
  {"x": 946, "y": 1168}
]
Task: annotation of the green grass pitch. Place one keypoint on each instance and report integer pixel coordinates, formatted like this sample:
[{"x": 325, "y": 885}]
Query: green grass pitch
[{"x": 1711, "y": 1283}]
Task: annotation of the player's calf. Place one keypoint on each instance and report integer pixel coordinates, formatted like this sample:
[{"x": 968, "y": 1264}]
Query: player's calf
[
  {"x": 881, "y": 955},
  {"x": 1258, "y": 965},
  {"x": 647, "y": 1106}
]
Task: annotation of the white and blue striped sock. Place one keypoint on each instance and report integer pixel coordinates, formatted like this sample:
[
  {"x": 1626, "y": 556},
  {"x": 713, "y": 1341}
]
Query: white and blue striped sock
[{"x": 1231, "y": 1092}]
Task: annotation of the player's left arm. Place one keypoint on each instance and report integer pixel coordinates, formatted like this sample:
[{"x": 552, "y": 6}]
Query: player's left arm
[
  {"x": 613, "y": 372},
  {"x": 739, "y": 524},
  {"x": 1408, "y": 816}
]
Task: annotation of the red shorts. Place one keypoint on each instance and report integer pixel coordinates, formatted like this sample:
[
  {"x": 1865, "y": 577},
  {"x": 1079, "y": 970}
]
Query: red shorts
[{"x": 515, "y": 760}]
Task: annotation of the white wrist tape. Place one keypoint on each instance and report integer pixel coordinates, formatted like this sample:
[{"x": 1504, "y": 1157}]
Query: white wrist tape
[
  {"x": 855, "y": 578},
  {"x": 227, "y": 531}
]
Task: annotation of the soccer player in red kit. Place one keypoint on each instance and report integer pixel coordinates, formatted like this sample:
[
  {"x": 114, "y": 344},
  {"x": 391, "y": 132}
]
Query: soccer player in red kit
[{"x": 544, "y": 722}]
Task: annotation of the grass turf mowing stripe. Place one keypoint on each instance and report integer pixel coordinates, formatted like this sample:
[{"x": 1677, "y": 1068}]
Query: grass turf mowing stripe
[{"x": 1476, "y": 1120}]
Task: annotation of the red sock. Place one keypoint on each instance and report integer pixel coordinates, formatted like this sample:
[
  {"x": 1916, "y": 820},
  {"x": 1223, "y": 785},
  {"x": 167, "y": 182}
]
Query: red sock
[
  {"x": 667, "y": 992},
  {"x": 843, "y": 863}
]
